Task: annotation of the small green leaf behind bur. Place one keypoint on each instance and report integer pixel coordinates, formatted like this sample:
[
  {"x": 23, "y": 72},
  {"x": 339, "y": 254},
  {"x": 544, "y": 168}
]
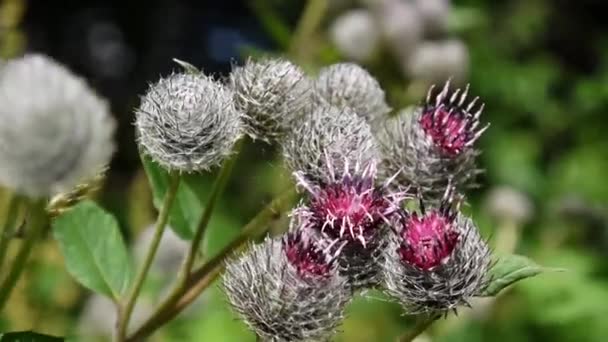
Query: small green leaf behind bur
[
  {"x": 94, "y": 250},
  {"x": 28, "y": 336},
  {"x": 188, "y": 204},
  {"x": 510, "y": 269}
]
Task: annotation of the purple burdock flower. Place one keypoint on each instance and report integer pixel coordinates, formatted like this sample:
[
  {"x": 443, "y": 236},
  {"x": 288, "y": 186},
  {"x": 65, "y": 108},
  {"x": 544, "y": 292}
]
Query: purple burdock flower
[
  {"x": 287, "y": 289},
  {"x": 351, "y": 211},
  {"x": 451, "y": 126},
  {"x": 435, "y": 260},
  {"x": 428, "y": 239},
  {"x": 433, "y": 144},
  {"x": 306, "y": 257}
]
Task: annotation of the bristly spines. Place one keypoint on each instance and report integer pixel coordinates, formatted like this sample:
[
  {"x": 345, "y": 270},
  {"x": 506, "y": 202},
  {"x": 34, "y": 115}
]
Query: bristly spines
[
  {"x": 272, "y": 93},
  {"x": 280, "y": 304},
  {"x": 188, "y": 122},
  {"x": 439, "y": 280},
  {"x": 328, "y": 138},
  {"x": 351, "y": 211},
  {"x": 432, "y": 145},
  {"x": 349, "y": 85}
]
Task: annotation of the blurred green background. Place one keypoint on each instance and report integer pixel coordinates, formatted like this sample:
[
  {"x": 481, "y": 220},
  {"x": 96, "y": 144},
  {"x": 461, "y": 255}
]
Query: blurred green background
[{"x": 539, "y": 65}]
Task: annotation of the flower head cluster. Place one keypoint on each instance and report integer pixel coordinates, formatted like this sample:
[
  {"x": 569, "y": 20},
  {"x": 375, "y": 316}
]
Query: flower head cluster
[
  {"x": 272, "y": 93},
  {"x": 434, "y": 144},
  {"x": 55, "y": 132},
  {"x": 349, "y": 85},
  {"x": 188, "y": 122},
  {"x": 287, "y": 289},
  {"x": 351, "y": 232},
  {"x": 435, "y": 260}
]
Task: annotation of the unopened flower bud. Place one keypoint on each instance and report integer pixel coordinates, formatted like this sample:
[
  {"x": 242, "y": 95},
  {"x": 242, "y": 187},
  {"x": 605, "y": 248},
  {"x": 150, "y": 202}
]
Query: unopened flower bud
[
  {"x": 509, "y": 204},
  {"x": 287, "y": 290},
  {"x": 55, "y": 133},
  {"x": 433, "y": 145},
  {"x": 434, "y": 14},
  {"x": 435, "y": 260},
  {"x": 322, "y": 144},
  {"x": 355, "y": 35},
  {"x": 400, "y": 24},
  {"x": 272, "y": 93},
  {"x": 349, "y": 85},
  {"x": 436, "y": 62},
  {"x": 188, "y": 122}
]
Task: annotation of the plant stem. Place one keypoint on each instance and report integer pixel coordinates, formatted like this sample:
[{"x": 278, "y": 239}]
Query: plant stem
[
  {"x": 216, "y": 191},
  {"x": 201, "y": 278},
  {"x": 185, "y": 270},
  {"x": 418, "y": 329},
  {"x": 161, "y": 222},
  {"x": 9, "y": 224},
  {"x": 37, "y": 220},
  {"x": 307, "y": 25}
]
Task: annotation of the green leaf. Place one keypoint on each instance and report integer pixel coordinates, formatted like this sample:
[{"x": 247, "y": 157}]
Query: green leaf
[
  {"x": 187, "y": 207},
  {"x": 28, "y": 336},
  {"x": 508, "y": 270},
  {"x": 94, "y": 250}
]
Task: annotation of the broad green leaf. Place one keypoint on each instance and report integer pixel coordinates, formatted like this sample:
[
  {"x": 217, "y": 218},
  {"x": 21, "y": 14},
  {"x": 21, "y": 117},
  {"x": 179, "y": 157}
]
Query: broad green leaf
[
  {"x": 188, "y": 204},
  {"x": 94, "y": 250},
  {"x": 28, "y": 336},
  {"x": 508, "y": 270}
]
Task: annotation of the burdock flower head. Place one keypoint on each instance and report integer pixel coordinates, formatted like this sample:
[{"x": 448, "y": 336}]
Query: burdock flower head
[
  {"x": 349, "y": 85},
  {"x": 323, "y": 143},
  {"x": 187, "y": 122},
  {"x": 287, "y": 289},
  {"x": 433, "y": 145},
  {"x": 272, "y": 93},
  {"x": 55, "y": 132},
  {"x": 351, "y": 211},
  {"x": 435, "y": 260}
]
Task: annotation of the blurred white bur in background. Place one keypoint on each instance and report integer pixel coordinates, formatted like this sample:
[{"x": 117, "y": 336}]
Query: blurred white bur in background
[
  {"x": 55, "y": 132},
  {"x": 356, "y": 35}
]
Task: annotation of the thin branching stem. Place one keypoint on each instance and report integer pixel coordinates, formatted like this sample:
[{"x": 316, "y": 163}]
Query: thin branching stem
[
  {"x": 202, "y": 277},
  {"x": 7, "y": 228},
  {"x": 36, "y": 222},
  {"x": 126, "y": 310},
  {"x": 188, "y": 262}
]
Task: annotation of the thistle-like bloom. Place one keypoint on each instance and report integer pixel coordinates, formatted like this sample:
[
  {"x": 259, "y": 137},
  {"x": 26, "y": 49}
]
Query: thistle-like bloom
[
  {"x": 351, "y": 211},
  {"x": 434, "y": 145},
  {"x": 188, "y": 122},
  {"x": 329, "y": 137},
  {"x": 272, "y": 93},
  {"x": 435, "y": 260},
  {"x": 287, "y": 289},
  {"x": 349, "y": 85},
  {"x": 55, "y": 132}
]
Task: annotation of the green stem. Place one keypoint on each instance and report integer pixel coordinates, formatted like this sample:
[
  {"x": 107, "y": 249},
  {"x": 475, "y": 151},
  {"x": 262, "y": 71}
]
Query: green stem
[
  {"x": 185, "y": 270},
  {"x": 216, "y": 191},
  {"x": 307, "y": 25},
  {"x": 418, "y": 329},
  {"x": 161, "y": 222},
  {"x": 201, "y": 278},
  {"x": 37, "y": 220},
  {"x": 9, "y": 225}
]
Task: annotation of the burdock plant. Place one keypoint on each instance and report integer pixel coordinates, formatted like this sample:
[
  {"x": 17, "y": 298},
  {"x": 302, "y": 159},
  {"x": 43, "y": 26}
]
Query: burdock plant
[{"x": 355, "y": 172}]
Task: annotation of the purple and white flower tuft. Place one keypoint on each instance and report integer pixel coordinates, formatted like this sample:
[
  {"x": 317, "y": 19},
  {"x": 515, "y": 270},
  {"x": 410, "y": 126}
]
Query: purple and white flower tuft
[
  {"x": 435, "y": 260},
  {"x": 434, "y": 144},
  {"x": 352, "y": 212}
]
